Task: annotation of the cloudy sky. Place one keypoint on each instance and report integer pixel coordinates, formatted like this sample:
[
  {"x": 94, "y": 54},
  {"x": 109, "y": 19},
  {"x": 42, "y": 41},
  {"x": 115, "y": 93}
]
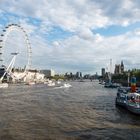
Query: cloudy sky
[{"x": 75, "y": 35}]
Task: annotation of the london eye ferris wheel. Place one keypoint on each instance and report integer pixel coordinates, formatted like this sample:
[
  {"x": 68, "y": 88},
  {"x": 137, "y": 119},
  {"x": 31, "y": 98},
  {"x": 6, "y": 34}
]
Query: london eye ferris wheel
[{"x": 15, "y": 49}]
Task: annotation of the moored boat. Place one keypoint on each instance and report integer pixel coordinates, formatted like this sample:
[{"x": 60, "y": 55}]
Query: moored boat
[
  {"x": 121, "y": 97},
  {"x": 111, "y": 85},
  {"x": 133, "y": 102},
  {"x": 129, "y": 98}
]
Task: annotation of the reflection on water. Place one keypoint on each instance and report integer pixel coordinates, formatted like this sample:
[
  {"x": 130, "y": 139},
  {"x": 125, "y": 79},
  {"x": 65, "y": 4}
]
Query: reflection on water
[{"x": 86, "y": 111}]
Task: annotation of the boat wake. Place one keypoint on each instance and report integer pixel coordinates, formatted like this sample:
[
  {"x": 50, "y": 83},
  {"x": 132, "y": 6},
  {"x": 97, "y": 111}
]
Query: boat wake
[{"x": 66, "y": 85}]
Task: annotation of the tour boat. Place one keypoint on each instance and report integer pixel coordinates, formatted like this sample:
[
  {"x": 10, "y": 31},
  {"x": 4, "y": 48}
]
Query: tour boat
[
  {"x": 129, "y": 98},
  {"x": 133, "y": 102}
]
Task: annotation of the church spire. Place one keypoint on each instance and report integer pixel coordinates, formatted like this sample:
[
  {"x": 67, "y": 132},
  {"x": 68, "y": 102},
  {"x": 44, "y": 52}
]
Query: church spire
[
  {"x": 122, "y": 63},
  {"x": 122, "y": 67}
]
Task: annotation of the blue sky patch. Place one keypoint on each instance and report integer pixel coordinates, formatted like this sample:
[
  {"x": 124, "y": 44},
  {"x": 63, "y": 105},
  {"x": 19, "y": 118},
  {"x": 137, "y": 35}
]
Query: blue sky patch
[
  {"x": 58, "y": 33},
  {"x": 115, "y": 30}
]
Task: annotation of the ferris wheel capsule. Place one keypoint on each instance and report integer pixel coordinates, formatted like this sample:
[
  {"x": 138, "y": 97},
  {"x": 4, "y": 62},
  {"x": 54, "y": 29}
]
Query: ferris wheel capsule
[{"x": 14, "y": 53}]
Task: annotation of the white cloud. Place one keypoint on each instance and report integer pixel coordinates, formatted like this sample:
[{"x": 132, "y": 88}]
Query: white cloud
[
  {"x": 82, "y": 53},
  {"x": 75, "y": 14},
  {"x": 85, "y": 50},
  {"x": 29, "y": 28}
]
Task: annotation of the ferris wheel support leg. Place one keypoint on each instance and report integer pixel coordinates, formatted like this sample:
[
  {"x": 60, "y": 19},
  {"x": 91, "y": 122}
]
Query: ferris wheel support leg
[{"x": 6, "y": 71}]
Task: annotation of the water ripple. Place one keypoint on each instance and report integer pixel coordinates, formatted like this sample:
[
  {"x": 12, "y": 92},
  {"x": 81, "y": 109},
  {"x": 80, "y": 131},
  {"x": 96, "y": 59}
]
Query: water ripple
[{"x": 86, "y": 111}]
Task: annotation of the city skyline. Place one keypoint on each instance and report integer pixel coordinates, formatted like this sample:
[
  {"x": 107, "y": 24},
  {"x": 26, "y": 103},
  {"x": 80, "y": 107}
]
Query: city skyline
[{"x": 76, "y": 35}]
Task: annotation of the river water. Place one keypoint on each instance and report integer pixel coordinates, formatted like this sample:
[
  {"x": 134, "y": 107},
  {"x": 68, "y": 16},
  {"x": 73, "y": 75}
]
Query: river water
[{"x": 86, "y": 111}]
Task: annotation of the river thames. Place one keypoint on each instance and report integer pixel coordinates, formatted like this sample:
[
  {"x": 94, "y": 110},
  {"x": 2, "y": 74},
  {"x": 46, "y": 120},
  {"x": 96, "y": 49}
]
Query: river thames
[{"x": 86, "y": 111}]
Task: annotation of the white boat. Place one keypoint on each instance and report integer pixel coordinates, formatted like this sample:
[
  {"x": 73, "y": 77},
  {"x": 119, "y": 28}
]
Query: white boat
[
  {"x": 3, "y": 85},
  {"x": 131, "y": 101},
  {"x": 31, "y": 83},
  {"x": 58, "y": 82},
  {"x": 67, "y": 85},
  {"x": 111, "y": 85},
  {"x": 51, "y": 84},
  {"x": 121, "y": 98}
]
